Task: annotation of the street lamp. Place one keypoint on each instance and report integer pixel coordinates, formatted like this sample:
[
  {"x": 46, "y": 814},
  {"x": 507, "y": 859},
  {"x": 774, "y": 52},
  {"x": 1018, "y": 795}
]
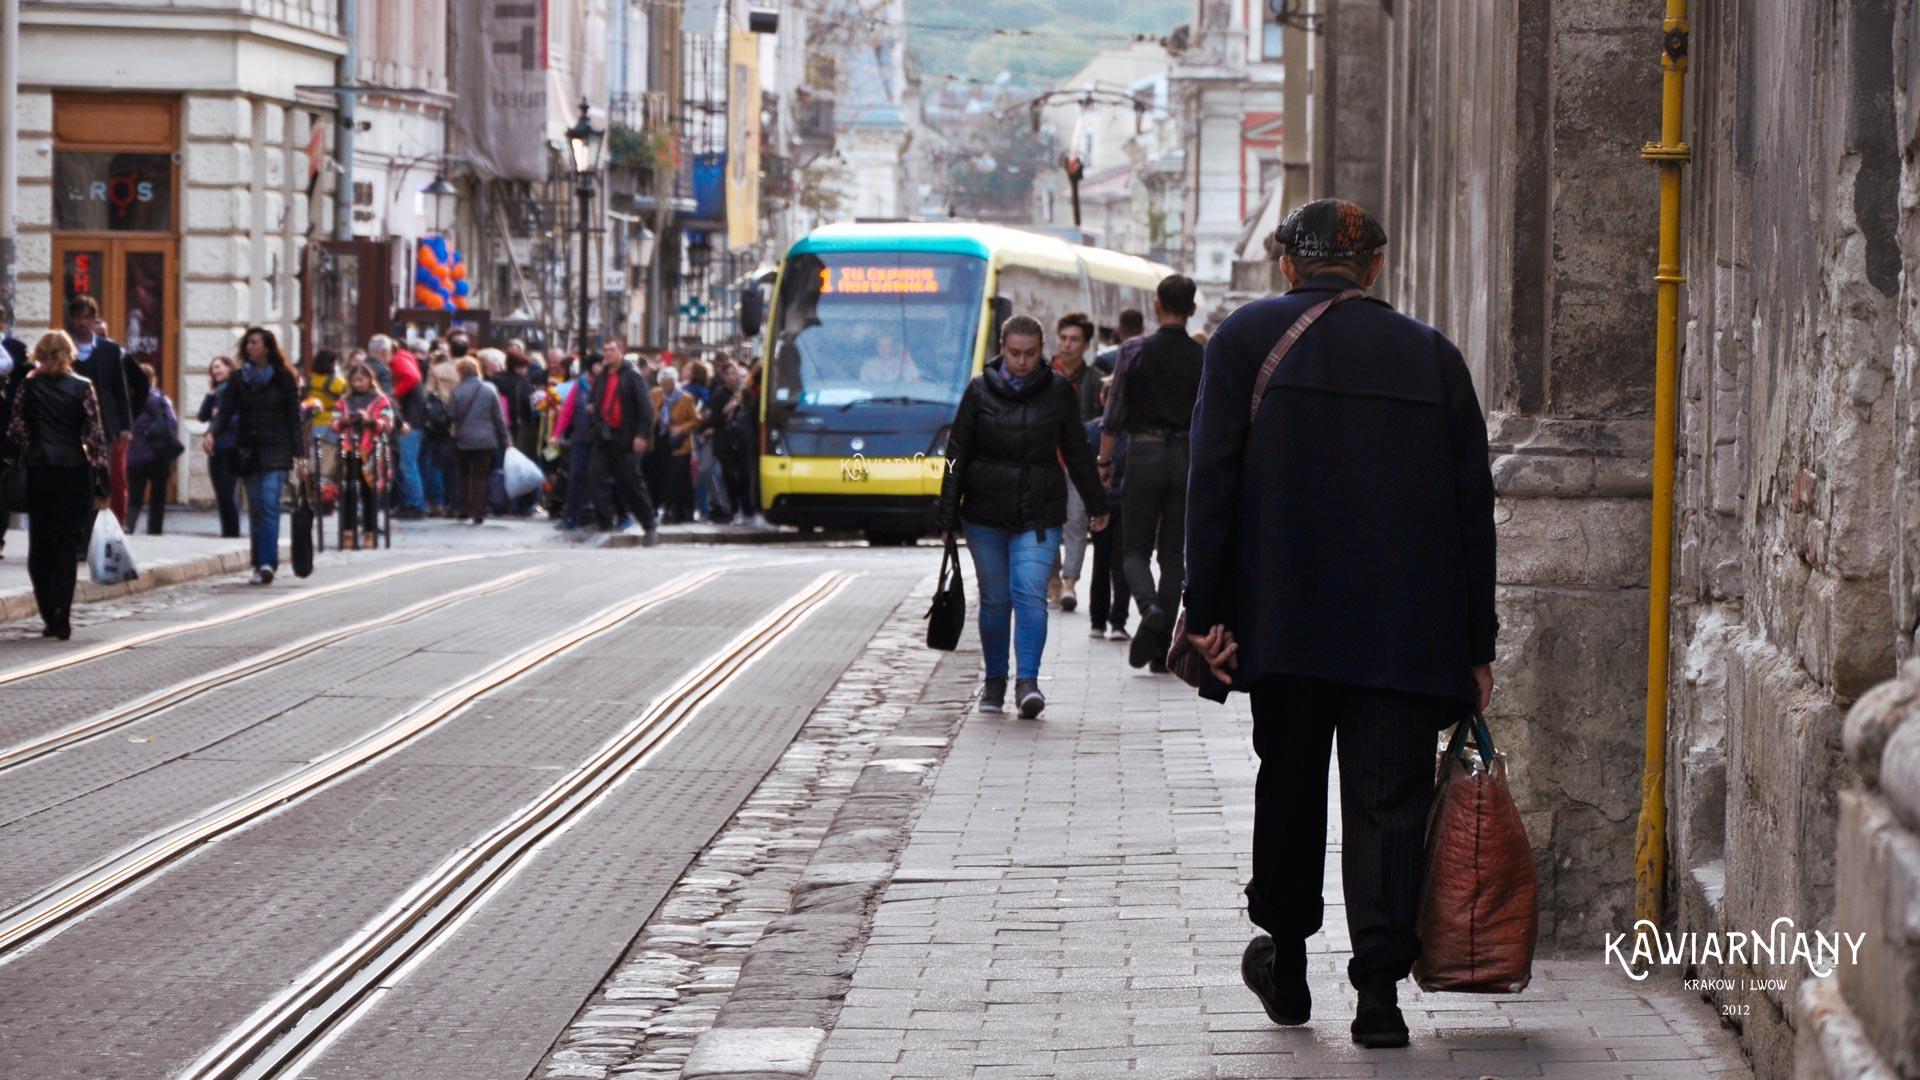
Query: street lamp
[{"x": 583, "y": 144}]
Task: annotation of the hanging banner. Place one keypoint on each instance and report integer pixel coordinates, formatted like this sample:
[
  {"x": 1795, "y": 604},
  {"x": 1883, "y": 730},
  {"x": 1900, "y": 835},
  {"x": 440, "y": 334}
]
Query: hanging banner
[
  {"x": 500, "y": 87},
  {"x": 743, "y": 139}
]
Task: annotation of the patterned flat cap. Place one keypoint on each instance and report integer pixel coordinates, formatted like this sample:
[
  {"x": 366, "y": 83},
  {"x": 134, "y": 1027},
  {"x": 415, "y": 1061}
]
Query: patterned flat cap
[{"x": 1328, "y": 229}]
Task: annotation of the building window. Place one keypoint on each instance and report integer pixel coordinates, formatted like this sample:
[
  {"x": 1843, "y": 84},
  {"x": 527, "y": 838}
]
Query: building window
[{"x": 1272, "y": 41}]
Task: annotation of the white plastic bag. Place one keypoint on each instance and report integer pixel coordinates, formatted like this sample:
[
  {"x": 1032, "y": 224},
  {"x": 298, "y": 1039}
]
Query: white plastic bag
[
  {"x": 109, "y": 560},
  {"x": 522, "y": 475}
]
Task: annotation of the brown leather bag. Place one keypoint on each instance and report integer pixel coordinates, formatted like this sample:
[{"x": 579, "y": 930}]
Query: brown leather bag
[
  {"x": 1479, "y": 915},
  {"x": 1183, "y": 659}
]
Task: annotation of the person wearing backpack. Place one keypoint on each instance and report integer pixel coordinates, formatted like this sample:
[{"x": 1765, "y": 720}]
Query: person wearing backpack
[{"x": 156, "y": 442}]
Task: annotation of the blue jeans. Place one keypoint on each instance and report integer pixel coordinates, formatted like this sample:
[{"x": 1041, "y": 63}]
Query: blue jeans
[
  {"x": 263, "y": 516},
  {"x": 408, "y": 452},
  {"x": 434, "y": 462},
  {"x": 1012, "y": 569}
]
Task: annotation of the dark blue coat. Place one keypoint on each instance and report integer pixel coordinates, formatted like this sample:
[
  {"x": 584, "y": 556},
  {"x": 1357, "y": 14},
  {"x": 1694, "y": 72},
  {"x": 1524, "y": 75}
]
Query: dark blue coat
[{"x": 1347, "y": 532}]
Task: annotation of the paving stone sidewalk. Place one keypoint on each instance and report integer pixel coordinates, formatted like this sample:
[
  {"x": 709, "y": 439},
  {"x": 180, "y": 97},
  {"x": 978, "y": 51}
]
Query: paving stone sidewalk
[{"x": 1069, "y": 906}]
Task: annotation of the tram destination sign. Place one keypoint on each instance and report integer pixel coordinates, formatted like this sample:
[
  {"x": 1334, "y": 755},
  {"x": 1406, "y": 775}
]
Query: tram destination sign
[{"x": 879, "y": 280}]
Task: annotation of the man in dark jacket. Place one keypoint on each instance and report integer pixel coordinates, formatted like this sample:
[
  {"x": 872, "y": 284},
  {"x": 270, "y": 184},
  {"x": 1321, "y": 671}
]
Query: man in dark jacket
[
  {"x": 114, "y": 383},
  {"x": 1150, "y": 401},
  {"x": 1340, "y": 568},
  {"x": 622, "y": 411}
]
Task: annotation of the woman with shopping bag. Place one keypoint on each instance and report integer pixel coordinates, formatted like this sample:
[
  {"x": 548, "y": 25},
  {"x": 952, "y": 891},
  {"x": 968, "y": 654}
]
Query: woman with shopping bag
[{"x": 56, "y": 436}]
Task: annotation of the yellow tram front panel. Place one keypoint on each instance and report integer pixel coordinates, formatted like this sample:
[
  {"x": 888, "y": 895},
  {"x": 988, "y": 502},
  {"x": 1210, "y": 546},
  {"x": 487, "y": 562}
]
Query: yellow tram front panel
[{"x": 854, "y": 474}]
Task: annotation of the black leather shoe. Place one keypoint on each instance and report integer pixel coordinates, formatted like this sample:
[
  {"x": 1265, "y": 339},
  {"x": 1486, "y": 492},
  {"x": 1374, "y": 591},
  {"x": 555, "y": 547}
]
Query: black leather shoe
[
  {"x": 1283, "y": 993},
  {"x": 1377, "y": 1023},
  {"x": 1150, "y": 641}
]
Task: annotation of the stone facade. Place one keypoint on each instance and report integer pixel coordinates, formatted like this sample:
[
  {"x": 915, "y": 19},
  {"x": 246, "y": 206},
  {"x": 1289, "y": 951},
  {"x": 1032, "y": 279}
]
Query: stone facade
[
  {"x": 241, "y": 213},
  {"x": 1524, "y": 224}
]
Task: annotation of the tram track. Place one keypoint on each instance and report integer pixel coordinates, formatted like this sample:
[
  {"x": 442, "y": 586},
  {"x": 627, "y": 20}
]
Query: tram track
[
  {"x": 173, "y": 696},
  {"x": 67, "y": 659},
  {"x": 284, "y": 1031},
  {"x": 72, "y": 896}
]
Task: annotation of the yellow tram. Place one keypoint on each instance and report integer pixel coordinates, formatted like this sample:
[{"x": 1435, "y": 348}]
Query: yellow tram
[{"x": 874, "y": 333}]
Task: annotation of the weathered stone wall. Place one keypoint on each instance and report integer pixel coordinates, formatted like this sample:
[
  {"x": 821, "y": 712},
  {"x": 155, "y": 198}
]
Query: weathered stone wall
[
  {"x": 1785, "y": 486},
  {"x": 1864, "y": 1021},
  {"x": 1523, "y": 225}
]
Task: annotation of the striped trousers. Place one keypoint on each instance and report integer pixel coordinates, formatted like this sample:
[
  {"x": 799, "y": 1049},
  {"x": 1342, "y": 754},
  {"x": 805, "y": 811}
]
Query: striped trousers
[{"x": 1388, "y": 751}]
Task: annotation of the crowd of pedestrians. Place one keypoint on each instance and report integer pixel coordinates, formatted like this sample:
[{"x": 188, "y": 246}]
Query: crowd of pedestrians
[{"x": 620, "y": 440}]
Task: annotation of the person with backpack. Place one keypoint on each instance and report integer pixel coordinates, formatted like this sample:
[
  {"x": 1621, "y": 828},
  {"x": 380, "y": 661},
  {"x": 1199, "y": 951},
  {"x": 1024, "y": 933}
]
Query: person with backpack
[{"x": 156, "y": 442}]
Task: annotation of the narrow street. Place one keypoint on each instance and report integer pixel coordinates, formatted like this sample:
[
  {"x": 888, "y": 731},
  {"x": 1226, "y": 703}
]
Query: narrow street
[
  {"x": 166, "y": 959},
  {"x": 1055, "y": 898}
]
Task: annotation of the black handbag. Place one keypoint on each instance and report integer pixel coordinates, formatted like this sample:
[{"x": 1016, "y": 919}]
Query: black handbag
[
  {"x": 302, "y": 532},
  {"x": 947, "y": 616}
]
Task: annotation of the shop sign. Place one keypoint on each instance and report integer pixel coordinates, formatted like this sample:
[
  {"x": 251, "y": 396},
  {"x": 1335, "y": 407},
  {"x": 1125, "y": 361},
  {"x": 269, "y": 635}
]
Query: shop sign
[{"x": 104, "y": 192}]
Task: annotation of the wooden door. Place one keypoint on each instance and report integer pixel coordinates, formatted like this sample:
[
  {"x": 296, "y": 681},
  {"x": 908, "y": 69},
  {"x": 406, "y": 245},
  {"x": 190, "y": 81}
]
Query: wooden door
[{"x": 134, "y": 278}]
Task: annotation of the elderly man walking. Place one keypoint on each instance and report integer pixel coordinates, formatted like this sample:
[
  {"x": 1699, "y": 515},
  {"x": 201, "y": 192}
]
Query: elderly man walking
[{"x": 1340, "y": 569}]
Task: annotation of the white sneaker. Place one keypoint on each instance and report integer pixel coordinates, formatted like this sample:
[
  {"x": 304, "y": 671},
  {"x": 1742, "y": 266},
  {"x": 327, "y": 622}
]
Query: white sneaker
[
  {"x": 1118, "y": 633},
  {"x": 1068, "y": 601}
]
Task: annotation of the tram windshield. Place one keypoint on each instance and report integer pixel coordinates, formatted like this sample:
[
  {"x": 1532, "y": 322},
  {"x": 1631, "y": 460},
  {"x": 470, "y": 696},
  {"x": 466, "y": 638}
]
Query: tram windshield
[{"x": 866, "y": 330}]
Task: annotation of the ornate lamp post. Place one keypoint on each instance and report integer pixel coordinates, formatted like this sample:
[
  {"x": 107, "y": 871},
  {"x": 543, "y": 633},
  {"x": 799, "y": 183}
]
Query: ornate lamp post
[{"x": 583, "y": 143}]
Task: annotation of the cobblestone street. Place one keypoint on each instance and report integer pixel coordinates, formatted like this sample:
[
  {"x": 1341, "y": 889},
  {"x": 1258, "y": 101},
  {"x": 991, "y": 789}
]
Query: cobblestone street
[{"x": 1069, "y": 906}]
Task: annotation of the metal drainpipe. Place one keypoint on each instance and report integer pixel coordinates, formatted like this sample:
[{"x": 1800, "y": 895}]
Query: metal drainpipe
[
  {"x": 343, "y": 142},
  {"x": 1671, "y": 155}
]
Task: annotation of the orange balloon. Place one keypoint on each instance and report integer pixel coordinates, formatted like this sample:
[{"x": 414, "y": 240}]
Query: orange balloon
[
  {"x": 460, "y": 302},
  {"x": 428, "y": 259},
  {"x": 459, "y": 271},
  {"x": 427, "y": 298}
]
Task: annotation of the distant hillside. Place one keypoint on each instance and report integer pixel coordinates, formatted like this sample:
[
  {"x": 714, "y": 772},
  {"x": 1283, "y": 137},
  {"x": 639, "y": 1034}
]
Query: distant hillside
[{"x": 1047, "y": 39}]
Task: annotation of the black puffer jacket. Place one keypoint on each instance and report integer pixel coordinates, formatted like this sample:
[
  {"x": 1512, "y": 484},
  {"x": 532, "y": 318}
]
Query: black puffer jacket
[
  {"x": 267, "y": 420},
  {"x": 1004, "y": 454}
]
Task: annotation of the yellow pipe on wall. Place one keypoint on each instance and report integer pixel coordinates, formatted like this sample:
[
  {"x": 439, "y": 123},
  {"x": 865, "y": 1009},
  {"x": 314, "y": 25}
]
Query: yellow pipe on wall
[{"x": 1671, "y": 155}]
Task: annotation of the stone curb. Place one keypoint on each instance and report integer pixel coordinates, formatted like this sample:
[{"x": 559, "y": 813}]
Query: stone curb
[
  {"x": 796, "y": 977},
  {"x": 22, "y": 606}
]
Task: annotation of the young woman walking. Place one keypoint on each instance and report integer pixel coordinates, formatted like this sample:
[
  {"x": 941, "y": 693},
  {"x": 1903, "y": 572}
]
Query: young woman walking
[
  {"x": 1017, "y": 422},
  {"x": 269, "y": 440}
]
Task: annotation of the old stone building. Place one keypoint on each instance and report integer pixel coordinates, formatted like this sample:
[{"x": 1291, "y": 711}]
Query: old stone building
[{"x": 1507, "y": 136}]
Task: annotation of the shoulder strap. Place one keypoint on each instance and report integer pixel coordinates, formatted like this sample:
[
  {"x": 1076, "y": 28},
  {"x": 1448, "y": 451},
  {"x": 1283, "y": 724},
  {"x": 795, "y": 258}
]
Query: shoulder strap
[{"x": 1287, "y": 340}]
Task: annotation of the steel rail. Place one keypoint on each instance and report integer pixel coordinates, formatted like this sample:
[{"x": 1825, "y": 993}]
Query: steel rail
[
  {"x": 72, "y": 896},
  {"x": 281, "y": 1030},
  {"x": 67, "y": 659},
  {"x": 161, "y": 700}
]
